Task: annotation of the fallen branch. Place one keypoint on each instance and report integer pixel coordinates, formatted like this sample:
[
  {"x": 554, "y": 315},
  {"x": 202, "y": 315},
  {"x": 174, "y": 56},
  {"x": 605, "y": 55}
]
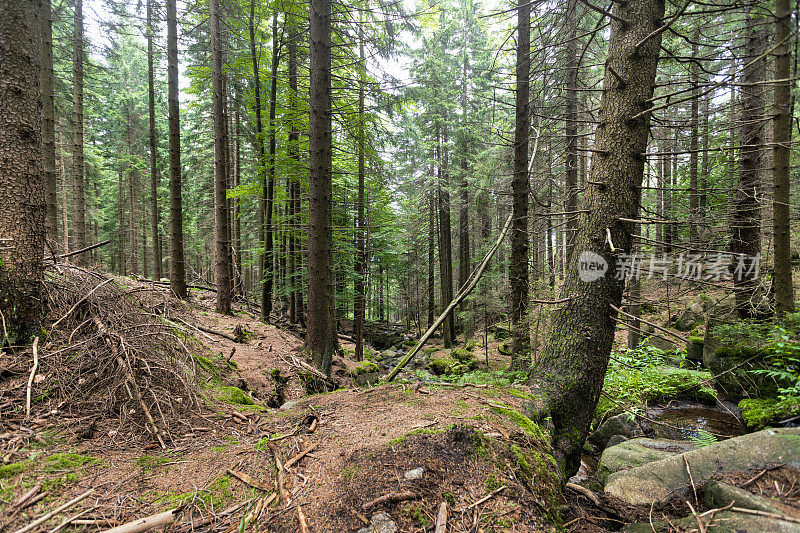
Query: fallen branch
[
  {"x": 302, "y": 519},
  {"x": 392, "y": 497},
  {"x": 147, "y": 523},
  {"x": 247, "y": 480},
  {"x": 82, "y": 250},
  {"x": 215, "y": 332},
  {"x": 71, "y": 309},
  {"x": 55, "y": 511},
  {"x": 441, "y": 518},
  {"x": 585, "y": 492},
  {"x": 30, "y": 378},
  {"x": 476, "y": 275},
  {"x": 69, "y": 520},
  {"x": 281, "y": 489},
  {"x": 776, "y": 516},
  {"x": 25, "y": 497},
  {"x": 487, "y": 497},
  {"x": 299, "y": 456}
]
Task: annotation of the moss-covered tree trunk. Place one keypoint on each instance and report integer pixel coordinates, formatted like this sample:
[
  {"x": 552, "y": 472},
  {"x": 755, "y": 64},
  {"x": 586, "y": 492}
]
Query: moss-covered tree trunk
[{"x": 570, "y": 371}]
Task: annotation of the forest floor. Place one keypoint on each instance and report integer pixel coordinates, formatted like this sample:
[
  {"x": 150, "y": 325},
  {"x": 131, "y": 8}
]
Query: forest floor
[{"x": 260, "y": 453}]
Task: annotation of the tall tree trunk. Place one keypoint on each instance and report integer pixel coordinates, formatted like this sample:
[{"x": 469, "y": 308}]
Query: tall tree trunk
[
  {"x": 121, "y": 207},
  {"x": 154, "y": 177},
  {"x": 237, "y": 215},
  {"x": 570, "y": 370},
  {"x": 694, "y": 198},
  {"x": 293, "y": 150},
  {"x": 22, "y": 187},
  {"x": 78, "y": 198},
  {"x": 266, "y": 293},
  {"x": 431, "y": 252},
  {"x": 177, "y": 274},
  {"x": 464, "y": 267},
  {"x": 221, "y": 268},
  {"x": 321, "y": 331},
  {"x": 48, "y": 122},
  {"x": 264, "y": 266},
  {"x": 361, "y": 241},
  {"x": 784, "y": 291},
  {"x": 746, "y": 238},
  {"x": 571, "y": 125},
  {"x": 518, "y": 273},
  {"x": 445, "y": 241}
]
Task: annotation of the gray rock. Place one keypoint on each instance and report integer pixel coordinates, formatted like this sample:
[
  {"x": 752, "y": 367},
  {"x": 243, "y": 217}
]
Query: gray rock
[
  {"x": 690, "y": 318},
  {"x": 616, "y": 439},
  {"x": 721, "y": 522},
  {"x": 290, "y": 404},
  {"x": 623, "y": 424},
  {"x": 659, "y": 480},
  {"x": 719, "y": 494},
  {"x": 380, "y": 523},
  {"x": 636, "y": 452},
  {"x": 415, "y": 474}
]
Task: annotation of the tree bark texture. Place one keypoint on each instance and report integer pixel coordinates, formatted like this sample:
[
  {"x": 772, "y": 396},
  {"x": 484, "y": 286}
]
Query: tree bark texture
[
  {"x": 361, "y": 241},
  {"x": 177, "y": 275},
  {"x": 784, "y": 291},
  {"x": 22, "y": 211},
  {"x": 518, "y": 271},
  {"x": 78, "y": 193},
  {"x": 746, "y": 238},
  {"x": 48, "y": 121},
  {"x": 269, "y": 232},
  {"x": 154, "y": 176},
  {"x": 570, "y": 371},
  {"x": 222, "y": 254},
  {"x": 321, "y": 321},
  {"x": 571, "y": 125}
]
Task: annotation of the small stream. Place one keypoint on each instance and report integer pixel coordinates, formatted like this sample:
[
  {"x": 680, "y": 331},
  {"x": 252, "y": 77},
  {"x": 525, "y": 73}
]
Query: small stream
[{"x": 678, "y": 421}]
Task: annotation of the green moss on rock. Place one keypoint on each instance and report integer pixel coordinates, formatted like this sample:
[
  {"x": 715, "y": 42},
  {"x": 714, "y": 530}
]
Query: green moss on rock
[{"x": 761, "y": 412}]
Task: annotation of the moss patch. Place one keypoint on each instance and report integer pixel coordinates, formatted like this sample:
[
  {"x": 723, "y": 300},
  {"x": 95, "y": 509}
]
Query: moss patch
[{"x": 760, "y": 412}]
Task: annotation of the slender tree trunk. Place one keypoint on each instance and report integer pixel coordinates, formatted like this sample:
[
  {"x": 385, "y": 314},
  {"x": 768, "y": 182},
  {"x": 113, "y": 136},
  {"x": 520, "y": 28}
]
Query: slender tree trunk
[
  {"x": 237, "y": 215},
  {"x": 221, "y": 268},
  {"x": 177, "y": 275},
  {"x": 121, "y": 207},
  {"x": 293, "y": 150},
  {"x": 266, "y": 294},
  {"x": 321, "y": 331},
  {"x": 746, "y": 238},
  {"x": 78, "y": 198},
  {"x": 361, "y": 242},
  {"x": 571, "y": 126},
  {"x": 431, "y": 253},
  {"x": 445, "y": 241},
  {"x": 694, "y": 198},
  {"x": 569, "y": 373},
  {"x": 22, "y": 186},
  {"x": 705, "y": 166},
  {"x": 784, "y": 291},
  {"x": 48, "y": 122},
  {"x": 464, "y": 267},
  {"x": 518, "y": 274},
  {"x": 154, "y": 177}
]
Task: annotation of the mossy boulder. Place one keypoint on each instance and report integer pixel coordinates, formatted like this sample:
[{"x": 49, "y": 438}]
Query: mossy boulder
[
  {"x": 689, "y": 318},
  {"x": 694, "y": 350},
  {"x": 442, "y": 366},
  {"x": 658, "y": 481},
  {"x": 464, "y": 357},
  {"x": 761, "y": 412},
  {"x": 500, "y": 331},
  {"x": 365, "y": 373},
  {"x": 636, "y": 452},
  {"x": 731, "y": 351}
]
